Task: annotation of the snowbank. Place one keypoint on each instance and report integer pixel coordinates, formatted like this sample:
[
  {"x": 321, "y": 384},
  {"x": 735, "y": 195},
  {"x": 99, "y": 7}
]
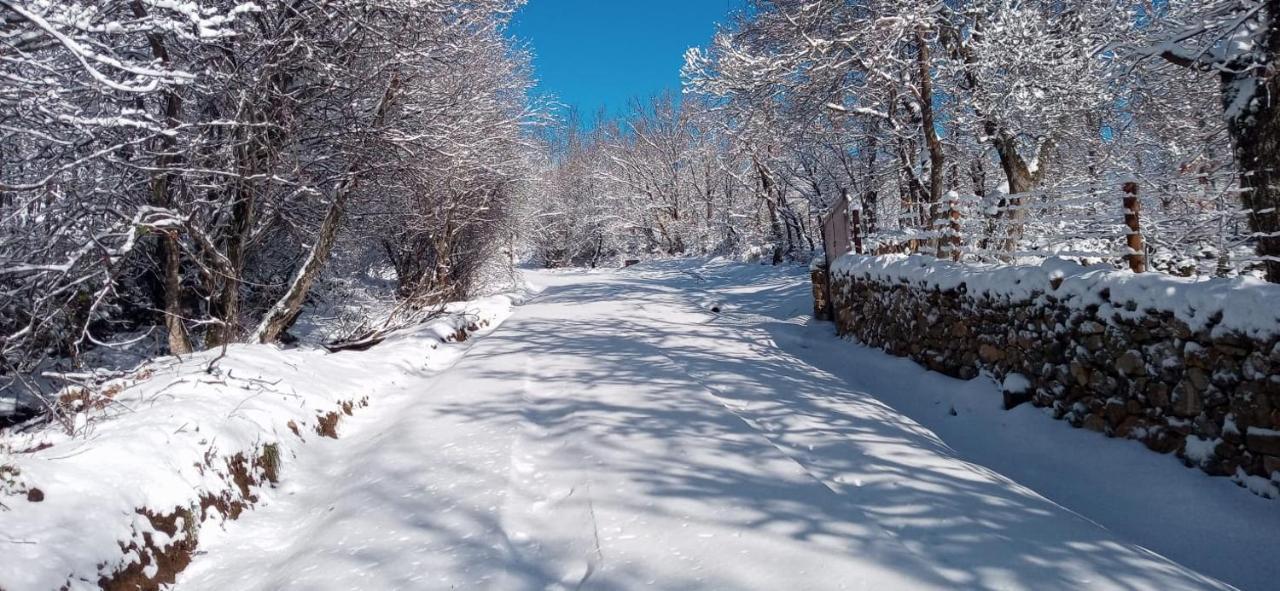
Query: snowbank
[
  {"x": 1242, "y": 305},
  {"x": 178, "y": 441}
]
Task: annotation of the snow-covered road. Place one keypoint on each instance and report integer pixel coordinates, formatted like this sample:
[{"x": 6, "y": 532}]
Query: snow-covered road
[{"x": 615, "y": 433}]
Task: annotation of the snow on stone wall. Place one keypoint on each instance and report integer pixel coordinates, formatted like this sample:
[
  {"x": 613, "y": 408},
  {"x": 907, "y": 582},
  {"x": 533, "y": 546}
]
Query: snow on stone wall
[{"x": 1184, "y": 366}]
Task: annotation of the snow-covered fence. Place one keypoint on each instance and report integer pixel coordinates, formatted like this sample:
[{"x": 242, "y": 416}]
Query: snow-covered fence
[
  {"x": 1183, "y": 365},
  {"x": 1190, "y": 226}
]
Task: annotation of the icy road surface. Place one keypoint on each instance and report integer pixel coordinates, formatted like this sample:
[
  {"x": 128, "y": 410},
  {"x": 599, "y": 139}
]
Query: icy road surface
[{"x": 615, "y": 433}]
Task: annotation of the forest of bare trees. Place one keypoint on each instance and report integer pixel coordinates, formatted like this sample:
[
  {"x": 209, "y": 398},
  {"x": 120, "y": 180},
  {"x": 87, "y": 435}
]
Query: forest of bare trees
[
  {"x": 194, "y": 174},
  {"x": 989, "y": 130},
  {"x": 195, "y": 168}
]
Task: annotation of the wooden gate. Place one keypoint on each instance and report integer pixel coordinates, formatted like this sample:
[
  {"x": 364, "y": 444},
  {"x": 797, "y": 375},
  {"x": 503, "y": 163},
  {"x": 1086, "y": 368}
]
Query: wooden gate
[{"x": 838, "y": 235}]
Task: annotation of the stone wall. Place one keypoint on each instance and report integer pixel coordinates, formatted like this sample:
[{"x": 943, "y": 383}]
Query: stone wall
[{"x": 1211, "y": 396}]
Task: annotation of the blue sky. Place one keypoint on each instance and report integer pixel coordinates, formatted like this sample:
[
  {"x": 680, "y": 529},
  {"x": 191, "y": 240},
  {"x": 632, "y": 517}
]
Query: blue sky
[{"x": 593, "y": 53}]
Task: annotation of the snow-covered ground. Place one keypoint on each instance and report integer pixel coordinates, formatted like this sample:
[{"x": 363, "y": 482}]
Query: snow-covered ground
[
  {"x": 164, "y": 439},
  {"x": 685, "y": 425}
]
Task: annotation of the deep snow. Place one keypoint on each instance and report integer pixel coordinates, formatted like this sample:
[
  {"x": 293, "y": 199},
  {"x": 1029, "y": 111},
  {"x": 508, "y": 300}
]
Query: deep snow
[
  {"x": 616, "y": 433},
  {"x": 160, "y": 443}
]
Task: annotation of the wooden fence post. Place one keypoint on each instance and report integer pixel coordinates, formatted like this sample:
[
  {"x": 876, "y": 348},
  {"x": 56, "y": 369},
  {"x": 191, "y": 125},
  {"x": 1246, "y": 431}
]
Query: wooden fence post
[
  {"x": 1137, "y": 256},
  {"x": 855, "y": 220},
  {"x": 953, "y": 241}
]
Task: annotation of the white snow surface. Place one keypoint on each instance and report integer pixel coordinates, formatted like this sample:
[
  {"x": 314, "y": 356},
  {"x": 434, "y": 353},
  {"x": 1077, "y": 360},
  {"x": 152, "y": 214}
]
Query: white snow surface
[
  {"x": 144, "y": 450},
  {"x": 1246, "y": 305},
  {"x": 1016, "y": 383},
  {"x": 615, "y": 434}
]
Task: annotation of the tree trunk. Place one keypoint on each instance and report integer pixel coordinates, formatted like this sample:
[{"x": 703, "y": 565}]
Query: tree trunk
[
  {"x": 161, "y": 196},
  {"x": 775, "y": 224},
  {"x": 871, "y": 196},
  {"x": 928, "y": 126},
  {"x": 228, "y": 302},
  {"x": 1256, "y": 135},
  {"x": 282, "y": 314},
  {"x": 1019, "y": 175},
  {"x": 1254, "y": 124},
  {"x": 1258, "y": 154},
  {"x": 1022, "y": 180},
  {"x": 179, "y": 342}
]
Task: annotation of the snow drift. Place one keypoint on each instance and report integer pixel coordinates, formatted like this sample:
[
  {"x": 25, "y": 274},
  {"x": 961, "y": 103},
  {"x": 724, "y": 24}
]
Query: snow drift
[{"x": 188, "y": 440}]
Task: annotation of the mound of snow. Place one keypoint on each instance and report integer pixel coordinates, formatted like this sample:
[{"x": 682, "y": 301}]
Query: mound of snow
[{"x": 161, "y": 440}]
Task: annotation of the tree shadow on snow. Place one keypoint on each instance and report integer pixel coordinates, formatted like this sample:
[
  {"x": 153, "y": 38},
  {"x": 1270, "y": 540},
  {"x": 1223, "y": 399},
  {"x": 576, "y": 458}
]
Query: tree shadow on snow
[{"x": 973, "y": 527}]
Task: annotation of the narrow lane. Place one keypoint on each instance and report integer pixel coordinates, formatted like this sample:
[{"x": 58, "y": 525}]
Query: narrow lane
[{"x": 615, "y": 434}]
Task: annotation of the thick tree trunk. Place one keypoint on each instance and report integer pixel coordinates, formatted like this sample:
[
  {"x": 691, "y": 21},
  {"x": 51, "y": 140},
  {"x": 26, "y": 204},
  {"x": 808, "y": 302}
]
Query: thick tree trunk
[
  {"x": 1254, "y": 124},
  {"x": 179, "y": 342},
  {"x": 1255, "y": 131},
  {"x": 1258, "y": 154},
  {"x": 1022, "y": 180}
]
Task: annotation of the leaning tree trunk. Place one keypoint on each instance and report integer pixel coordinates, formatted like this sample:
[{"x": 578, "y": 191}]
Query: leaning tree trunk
[
  {"x": 1022, "y": 180},
  {"x": 285, "y": 311}
]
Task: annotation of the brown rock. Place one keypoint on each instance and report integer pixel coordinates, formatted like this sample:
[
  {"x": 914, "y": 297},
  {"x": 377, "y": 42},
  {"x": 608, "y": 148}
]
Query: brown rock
[
  {"x": 1163, "y": 441},
  {"x": 1130, "y": 426},
  {"x": 1131, "y": 364},
  {"x": 1198, "y": 378},
  {"x": 1095, "y": 422},
  {"x": 1114, "y": 412},
  {"x": 1230, "y": 347},
  {"x": 1158, "y": 394},
  {"x": 991, "y": 354},
  {"x": 1255, "y": 367},
  {"x": 35, "y": 495},
  {"x": 1207, "y": 428},
  {"x": 1187, "y": 401},
  {"x": 1270, "y": 464},
  {"x": 1103, "y": 384},
  {"x": 1194, "y": 355},
  {"x": 1263, "y": 441},
  {"x": 1080, "y": 373}
]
